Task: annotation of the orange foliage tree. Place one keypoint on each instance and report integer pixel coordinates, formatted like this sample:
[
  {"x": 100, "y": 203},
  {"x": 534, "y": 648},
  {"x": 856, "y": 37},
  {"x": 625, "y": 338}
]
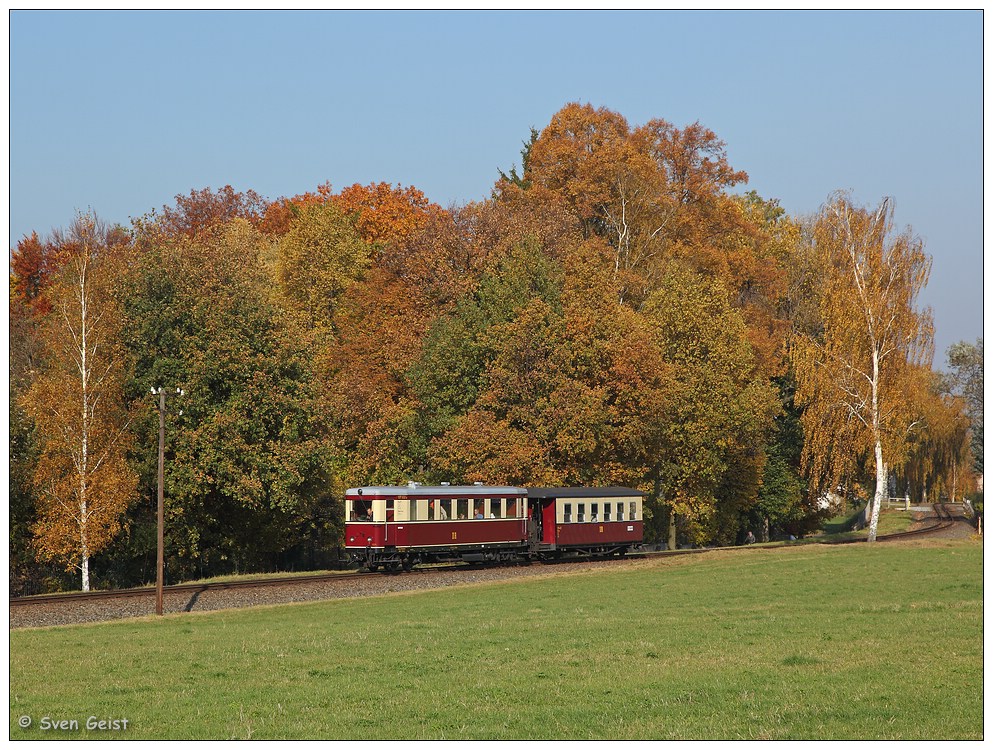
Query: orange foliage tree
[
  {"x": 280, "y": 213},
  {"x": 855, "y": 374},
  {"x": 204, "y": 209},
  {"x": 654, "y": 192},
  {"x": 83, "y": 480}
]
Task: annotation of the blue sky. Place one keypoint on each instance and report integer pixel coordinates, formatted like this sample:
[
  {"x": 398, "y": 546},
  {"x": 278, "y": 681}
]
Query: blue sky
[{"x": 120, "y": 112}]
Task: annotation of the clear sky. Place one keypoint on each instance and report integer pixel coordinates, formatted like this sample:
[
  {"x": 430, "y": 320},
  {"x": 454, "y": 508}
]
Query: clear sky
[{"x": 119, "y": 112}]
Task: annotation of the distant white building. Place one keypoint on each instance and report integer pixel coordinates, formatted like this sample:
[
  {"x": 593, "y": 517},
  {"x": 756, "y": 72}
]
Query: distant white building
[{"x": 829, "y": 500}]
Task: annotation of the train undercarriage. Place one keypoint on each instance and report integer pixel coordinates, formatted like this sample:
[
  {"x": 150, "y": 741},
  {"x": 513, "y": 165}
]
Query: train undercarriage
[{"x": 393, "y": 560}]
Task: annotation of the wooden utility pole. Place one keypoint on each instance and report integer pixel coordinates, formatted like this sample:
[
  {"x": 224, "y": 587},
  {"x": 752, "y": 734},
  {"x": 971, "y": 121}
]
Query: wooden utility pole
[{"x": 160, "y": 554}]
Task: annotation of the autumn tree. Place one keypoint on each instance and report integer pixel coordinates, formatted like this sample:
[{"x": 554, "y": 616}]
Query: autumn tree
[
  {"x": 82, "y": 478},
  {"x": 966, "y": 381},
  {"x": 385, "y": 216},
  {"x": 851, "y": 378},
  {"x": 540, "y": 376},
  {"x": 246, "y": 469},
  {"x": 204, "y": 209},
  {"x": 32, "y": 265},
  {"x": 937, "y": 454},
  {"x": 280, "y": 213},
  {"x": 655, "y": 192},
  {"x": 318, "y": 258},
  {"x": 450, "y": 375},
  {"x": 425, "y": 262},
  {"x": 707, "y": 459},
  {"x": 413, "y": 269}
]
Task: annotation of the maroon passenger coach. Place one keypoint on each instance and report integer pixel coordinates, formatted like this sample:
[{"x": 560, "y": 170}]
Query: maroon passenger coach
[{"x": 394, "y": 527}]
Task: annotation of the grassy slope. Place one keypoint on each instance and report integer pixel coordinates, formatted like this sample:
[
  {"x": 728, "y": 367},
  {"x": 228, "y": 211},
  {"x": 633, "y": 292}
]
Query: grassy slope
[
  {"x": 891, "y": 521},
  {"x": 812, "y": 642}
]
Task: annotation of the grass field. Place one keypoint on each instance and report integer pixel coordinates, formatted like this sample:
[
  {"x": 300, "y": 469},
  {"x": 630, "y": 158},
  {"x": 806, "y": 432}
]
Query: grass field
[{"x": 798, "y": 643}]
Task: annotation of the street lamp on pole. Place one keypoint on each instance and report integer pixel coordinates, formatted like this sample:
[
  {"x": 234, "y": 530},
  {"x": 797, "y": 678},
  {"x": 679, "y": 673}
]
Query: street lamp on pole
[{"x": 160, "y": 556}]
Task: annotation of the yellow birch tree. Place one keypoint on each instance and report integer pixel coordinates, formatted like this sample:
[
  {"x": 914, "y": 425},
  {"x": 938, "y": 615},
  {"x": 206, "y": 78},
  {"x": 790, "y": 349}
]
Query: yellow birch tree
[
  {"x": 853, "y": 375},
  {"x": 83, "y": 481}
]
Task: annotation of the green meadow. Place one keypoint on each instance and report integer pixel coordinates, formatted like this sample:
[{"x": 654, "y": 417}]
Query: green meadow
[{"x": 806, "y": 642}]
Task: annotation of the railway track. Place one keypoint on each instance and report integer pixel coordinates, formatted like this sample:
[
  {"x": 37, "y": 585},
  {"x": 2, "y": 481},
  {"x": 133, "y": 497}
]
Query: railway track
[
  {"x": 182, "y": 588},
  {"x": 136, "y": 601},
  {"x": 945, "y": 519}
]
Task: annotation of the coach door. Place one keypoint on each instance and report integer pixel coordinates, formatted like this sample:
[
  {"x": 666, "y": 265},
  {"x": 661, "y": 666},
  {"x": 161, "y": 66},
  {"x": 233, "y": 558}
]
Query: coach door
[
  {"x": 391, "y": 527},
  {"x": 534, "y": 524},
  {"x": 548, "y": 525}
]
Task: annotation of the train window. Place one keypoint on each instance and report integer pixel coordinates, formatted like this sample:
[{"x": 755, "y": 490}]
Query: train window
[
  {"x": 567, "y": 513},
  {"x": 606, "y": 512},
  {"x": 412, "y": 515},
  {"x": 463, "y": 508},
  {"x": 595, "y": 512},
  {"x": 445, "y": 511},
  {"x": 511, "y": 508},
  {"x": 633, "y": 516},
  {"x": 581, "y": 513},
  {"x": 361, "y": 510},
  {"x": 495, "y": 510},
  {"x": 620, "y": 511},
  {"x": 389, "y": 510},
  {"x": 479, "y": 510}
]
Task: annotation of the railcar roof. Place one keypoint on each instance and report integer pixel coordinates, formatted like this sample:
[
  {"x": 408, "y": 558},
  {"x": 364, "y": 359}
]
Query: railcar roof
[
  {"x": 454, "y": 490},
  {"x": 554, "y": 492}
]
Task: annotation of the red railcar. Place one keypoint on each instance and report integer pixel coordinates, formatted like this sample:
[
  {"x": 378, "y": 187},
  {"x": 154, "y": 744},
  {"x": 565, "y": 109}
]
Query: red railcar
[
  {"x": 397, "y": 527},
  {"x": 597, "y": 520}
]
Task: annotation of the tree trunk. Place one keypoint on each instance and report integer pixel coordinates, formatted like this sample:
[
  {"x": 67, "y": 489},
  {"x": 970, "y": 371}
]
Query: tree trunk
[
  {"x": 877, "y": 500},
  {"x": 84, "y": 551},
  {"x": 672, "y": 529},
  {"x": 881, "y": 487},
  {"x": 84, "y": 448}
]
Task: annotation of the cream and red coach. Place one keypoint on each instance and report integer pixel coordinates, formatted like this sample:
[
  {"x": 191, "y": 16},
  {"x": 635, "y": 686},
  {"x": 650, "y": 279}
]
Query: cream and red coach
[
  {"x": 401, "y": 526},
  {"x": 596, "y": 520}
]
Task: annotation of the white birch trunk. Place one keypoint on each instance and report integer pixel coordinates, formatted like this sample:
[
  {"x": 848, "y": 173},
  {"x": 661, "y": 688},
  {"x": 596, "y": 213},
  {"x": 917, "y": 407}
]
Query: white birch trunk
[
  {"x": 84, "y": 373},
  {"x": 877, "y": 499},
  {"x": 85, "y": 567}
]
